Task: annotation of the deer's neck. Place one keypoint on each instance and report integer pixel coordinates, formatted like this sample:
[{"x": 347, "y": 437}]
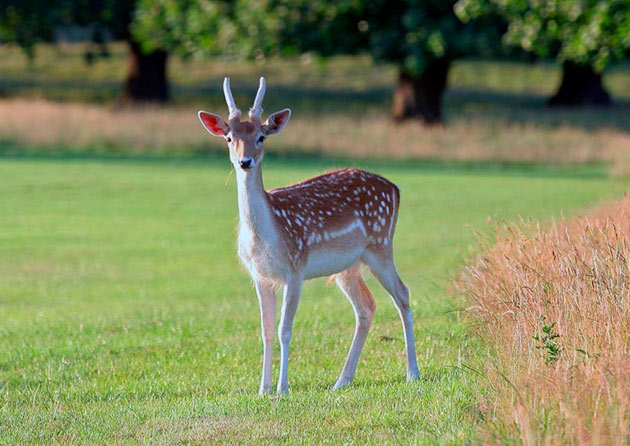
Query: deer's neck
[{"x": 254, "y": 207}]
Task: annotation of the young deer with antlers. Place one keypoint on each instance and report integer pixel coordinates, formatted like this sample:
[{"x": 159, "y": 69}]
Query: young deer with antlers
[{"x": 327, "y": 225}]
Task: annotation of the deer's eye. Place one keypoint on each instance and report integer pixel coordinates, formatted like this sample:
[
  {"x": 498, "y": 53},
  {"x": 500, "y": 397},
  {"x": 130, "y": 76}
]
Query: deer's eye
[
  {"x": 261, "y": 139},
  {"x": 228, "y": 139}
]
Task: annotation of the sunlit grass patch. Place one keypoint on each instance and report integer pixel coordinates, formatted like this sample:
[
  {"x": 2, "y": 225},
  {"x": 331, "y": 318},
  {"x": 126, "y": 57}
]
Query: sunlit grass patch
[{"x": 125, "y": 317}]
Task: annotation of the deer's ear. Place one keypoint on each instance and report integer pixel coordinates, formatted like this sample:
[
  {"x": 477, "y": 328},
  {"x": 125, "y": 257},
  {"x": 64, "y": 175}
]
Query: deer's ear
[
  {"x": 213, "y": 123},
  {"x": 276, "y": 121}
]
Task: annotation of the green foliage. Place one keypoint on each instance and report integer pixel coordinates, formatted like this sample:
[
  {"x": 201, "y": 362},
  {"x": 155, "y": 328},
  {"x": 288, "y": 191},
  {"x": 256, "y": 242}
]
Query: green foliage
[
  {"x": 408, "y": 33},
  {"x": 248, "y": 29},
  {"x": 27, "y": 22},
  {"x": 547, "y": 342},
  {"x": 272, "y": 27},
  {"x": 585, "y": 32},
  {"x": 116, "y": 15},
  {"x": 411, "y": 33},
  {"x": 189, "y": 27}
]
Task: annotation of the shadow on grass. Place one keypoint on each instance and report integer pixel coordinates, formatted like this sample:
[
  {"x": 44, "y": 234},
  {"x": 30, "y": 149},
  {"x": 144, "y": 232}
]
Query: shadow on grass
[
  {"x": 459, "y": 104},
  {"x": 531, "y": 109},
  {"x": 309, "y": 160},
  {"x": 429, "y": 376}
]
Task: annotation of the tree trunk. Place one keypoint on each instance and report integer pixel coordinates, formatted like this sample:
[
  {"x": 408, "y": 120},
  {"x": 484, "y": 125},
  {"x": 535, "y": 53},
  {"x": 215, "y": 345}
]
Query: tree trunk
[
  {"x": 580, "y": 85},
  {"x": 146, "y": 78},
  {"x": 421, "y": 96}
]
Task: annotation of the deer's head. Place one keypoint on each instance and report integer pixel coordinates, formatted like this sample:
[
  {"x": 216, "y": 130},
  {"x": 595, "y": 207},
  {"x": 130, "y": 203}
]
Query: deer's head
[{"x": 245, "y": 139}]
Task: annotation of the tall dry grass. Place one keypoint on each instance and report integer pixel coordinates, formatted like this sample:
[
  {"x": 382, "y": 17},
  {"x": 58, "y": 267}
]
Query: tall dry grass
[
  {"x": 554, "y": 308},
  {"x": 42, "y": 125}
]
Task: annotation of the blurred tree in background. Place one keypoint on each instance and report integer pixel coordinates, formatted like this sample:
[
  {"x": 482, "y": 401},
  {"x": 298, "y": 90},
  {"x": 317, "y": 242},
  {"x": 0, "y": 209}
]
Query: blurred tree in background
[
  {"x": 186, "y": 27},
  {"x": 146, "y": 73},
  {"x": 26, "y": 22},
  {"x": 421, "y": 38},
  {"x": 584, "y": 35}
]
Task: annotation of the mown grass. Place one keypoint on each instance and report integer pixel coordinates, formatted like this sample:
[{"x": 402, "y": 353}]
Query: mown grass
[{"x": 126, "y": 319}]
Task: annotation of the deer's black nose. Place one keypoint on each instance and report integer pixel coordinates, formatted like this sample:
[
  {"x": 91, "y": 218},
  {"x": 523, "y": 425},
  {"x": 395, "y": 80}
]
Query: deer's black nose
[{"x": 245, "y": 163}]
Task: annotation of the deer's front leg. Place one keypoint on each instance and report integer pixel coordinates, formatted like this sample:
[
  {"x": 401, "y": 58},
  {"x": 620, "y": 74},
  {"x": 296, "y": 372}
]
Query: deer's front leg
[
  {"x": 267, "y": 300},
  {"x": 290, "y": 301}
]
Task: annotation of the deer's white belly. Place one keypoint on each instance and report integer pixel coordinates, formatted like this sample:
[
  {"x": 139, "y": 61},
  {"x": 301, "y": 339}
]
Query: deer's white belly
[
  {"x": 336, "y": 251},
  {"x": 326, "y": 261}
]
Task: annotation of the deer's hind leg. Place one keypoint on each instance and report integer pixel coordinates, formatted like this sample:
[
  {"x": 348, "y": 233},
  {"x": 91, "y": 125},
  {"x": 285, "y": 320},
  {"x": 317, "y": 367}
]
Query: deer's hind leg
[
  {"x": 364, "y": 306},
  {"x": 381, "y": 264}
]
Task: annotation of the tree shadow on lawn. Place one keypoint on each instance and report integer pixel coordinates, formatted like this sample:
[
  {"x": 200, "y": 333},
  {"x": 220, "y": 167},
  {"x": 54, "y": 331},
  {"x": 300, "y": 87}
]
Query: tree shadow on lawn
[
  {"x": 428, "y": 376},
  {"x": 531, "y": 109},
  {"x": 309, "y": 160},
  {"x": 459, "y": 104}
]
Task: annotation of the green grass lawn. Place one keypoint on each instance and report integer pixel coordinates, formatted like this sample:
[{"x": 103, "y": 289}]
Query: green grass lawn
[{"x": 125, "y": 317}]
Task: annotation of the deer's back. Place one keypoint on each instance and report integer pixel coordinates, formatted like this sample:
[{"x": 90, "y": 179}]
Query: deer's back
[{"x": 328, "y": 208}]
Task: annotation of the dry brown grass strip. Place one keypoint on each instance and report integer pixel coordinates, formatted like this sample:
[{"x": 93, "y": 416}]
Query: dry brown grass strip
[
  {"x": 43, "y": 125},
  {"x": 620, "y": 166},
  {"x": 573, "y": 389}
]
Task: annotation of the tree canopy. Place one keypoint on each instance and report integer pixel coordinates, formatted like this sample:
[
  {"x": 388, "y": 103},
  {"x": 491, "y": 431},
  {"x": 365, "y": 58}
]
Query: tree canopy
[
  {"x": 585, "y": 32},
  {"x": 407, "y": 33},
  {"x": 420, "y": 37},
  {"x": 412, "y": 33},
  {"x": 187, "y": 27}
]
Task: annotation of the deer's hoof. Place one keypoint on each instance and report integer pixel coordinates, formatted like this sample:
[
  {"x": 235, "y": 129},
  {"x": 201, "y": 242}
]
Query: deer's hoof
[{"x": 341, "y": 383}]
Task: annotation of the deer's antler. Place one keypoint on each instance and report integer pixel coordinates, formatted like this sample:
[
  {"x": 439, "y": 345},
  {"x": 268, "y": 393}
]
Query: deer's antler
[
  {"x": 256, "y": 111},
  {"x": 234, "y": 112}
]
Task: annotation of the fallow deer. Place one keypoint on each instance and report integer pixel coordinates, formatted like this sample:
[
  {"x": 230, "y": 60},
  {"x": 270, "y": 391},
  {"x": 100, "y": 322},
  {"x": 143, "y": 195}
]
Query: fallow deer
[{"x": 327, "y": 225}]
